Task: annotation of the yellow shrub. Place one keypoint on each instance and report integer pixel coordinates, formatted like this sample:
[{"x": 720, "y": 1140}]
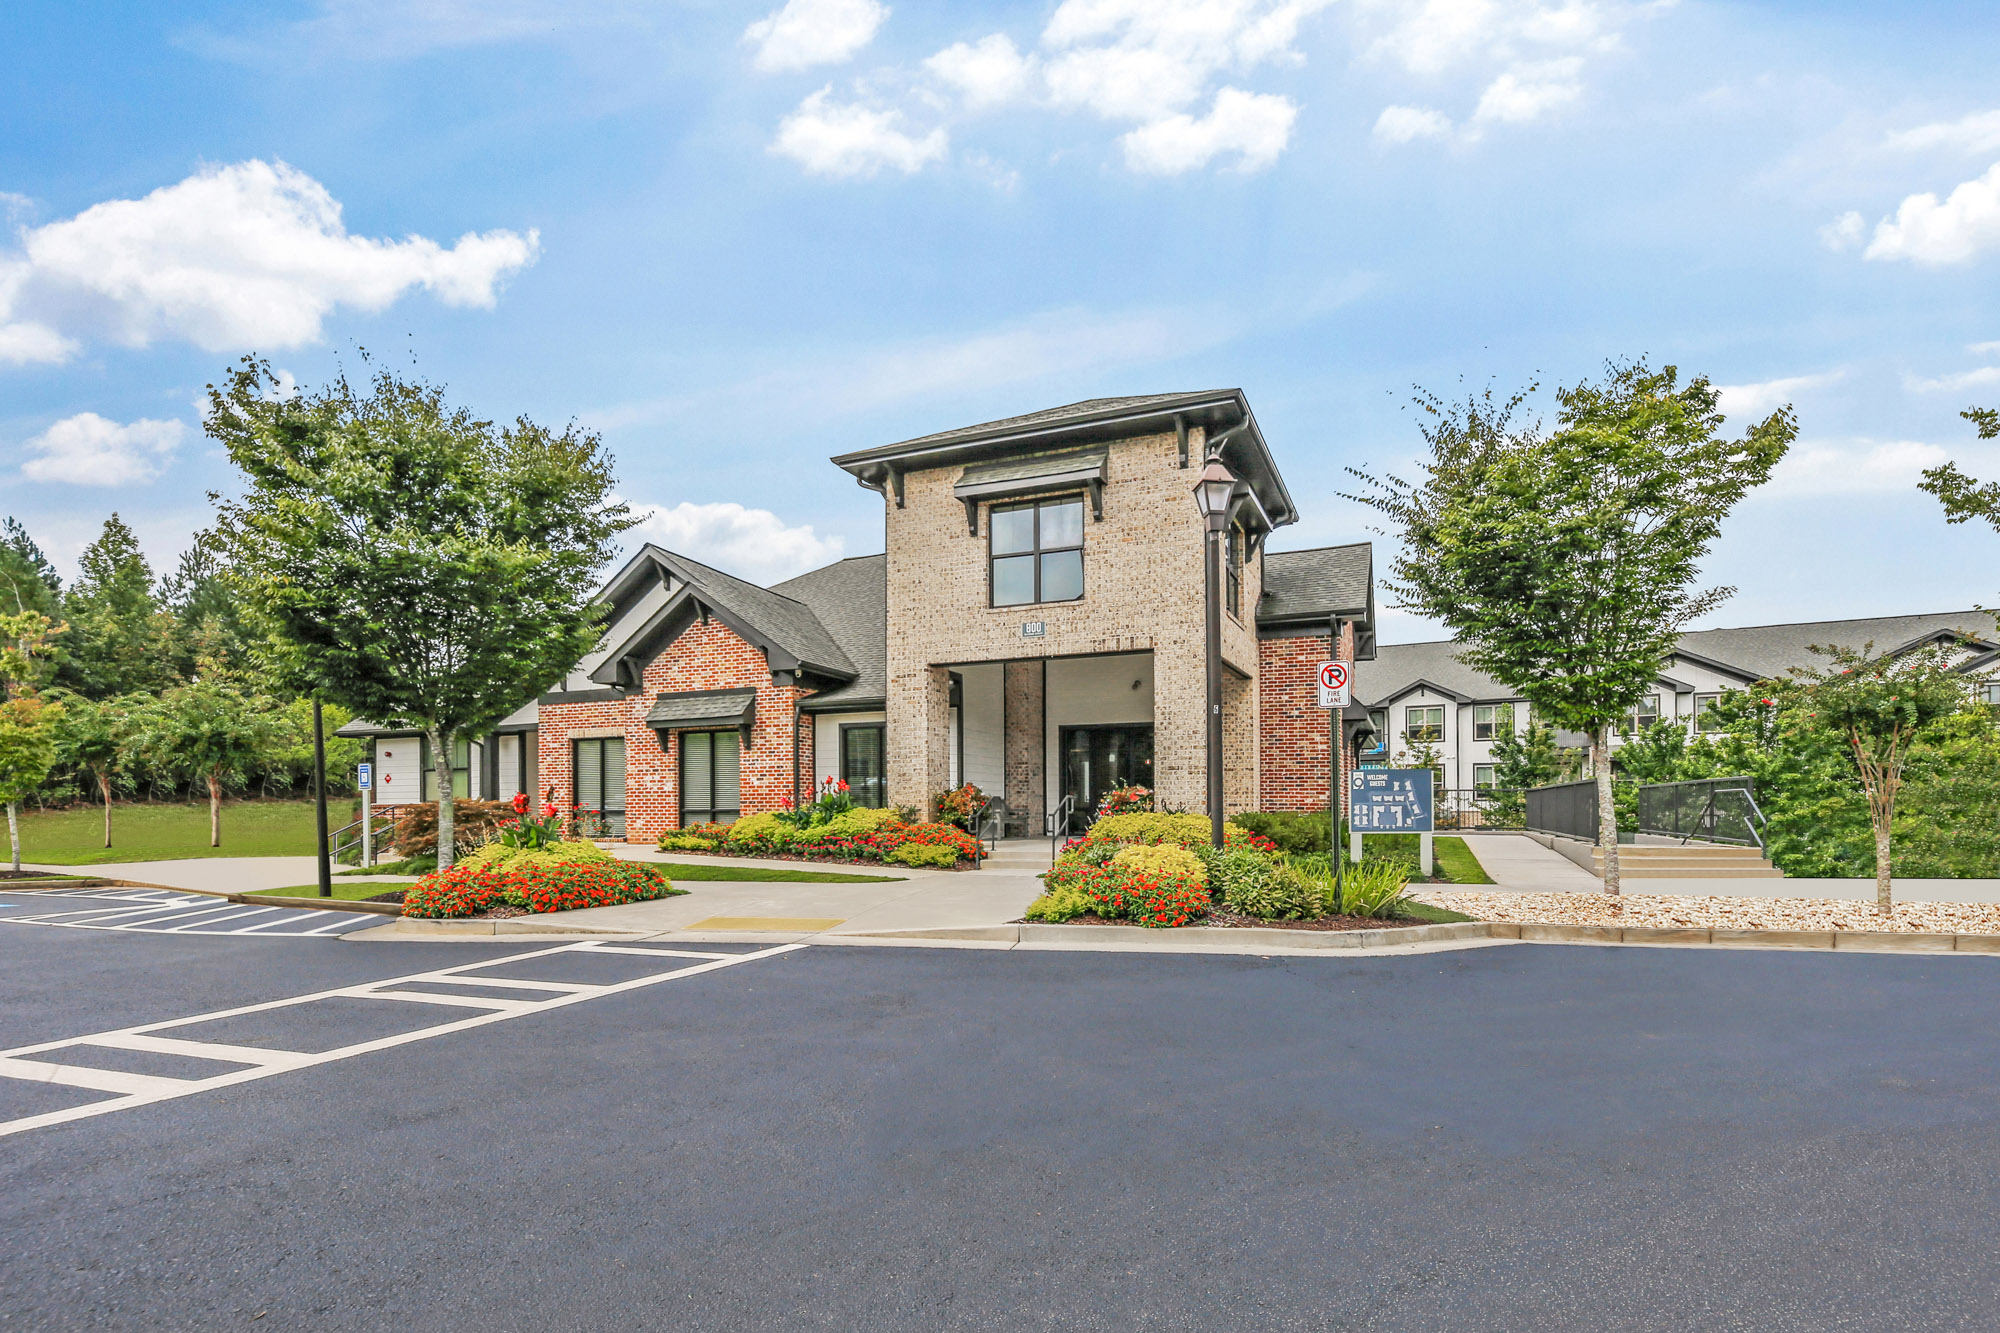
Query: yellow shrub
[
  {"x": 856, "y": 823},
  {"x": 766, "y": 825},
  {"x": 499, "y": 856},
  {"x": 1163, "y": 859},
  {"x": 1149, "y": 827}
]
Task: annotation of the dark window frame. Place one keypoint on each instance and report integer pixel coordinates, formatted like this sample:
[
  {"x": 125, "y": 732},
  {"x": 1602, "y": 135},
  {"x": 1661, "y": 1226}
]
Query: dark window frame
[
  {"x": 427, "y": 778},
  {"x": 603, "y": 807},
  {"x": 881, "y": 755},
  {"x": 1702, "y": 703},
  {"x": 682, "y": 808},
  {"x": 1235, "y": 543},
  {"x": 1410, "y": 733},
  {"x": 1036, "y": 551},
  {"x": 1491, "y": 726}
]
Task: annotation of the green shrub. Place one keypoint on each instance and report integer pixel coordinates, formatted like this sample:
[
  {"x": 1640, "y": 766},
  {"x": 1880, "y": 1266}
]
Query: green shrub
[
  {"x": 1375, "y": 889},
  {"x": 856, "y": 823},
  {"x": 754, "y": 828},
  {"x": 1060, "y": 905},
  {"x": 1234, "y": 866},
  {"x": 1281, "y": 893},
  {"x": 499, "y": 856},
  {"x": 686, "y": 842},
  {"x": 1295, "y": 832},
  {"x": 1162, "y": 860},
  {"x": 924, "y": 854}
]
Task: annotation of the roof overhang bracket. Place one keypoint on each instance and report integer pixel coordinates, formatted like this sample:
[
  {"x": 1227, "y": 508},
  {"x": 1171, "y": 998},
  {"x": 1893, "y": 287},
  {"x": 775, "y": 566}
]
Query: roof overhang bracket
[
  {"x": 1181, "y": 437},
  {"x": 972, "y": 515},
  {"x": 896, "y": 484},
  {"x": 1096, "y": 485}
]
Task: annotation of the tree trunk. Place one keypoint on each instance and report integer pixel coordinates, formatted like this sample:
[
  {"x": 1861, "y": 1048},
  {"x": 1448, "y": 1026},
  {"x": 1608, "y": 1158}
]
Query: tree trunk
[
  {"x": 215, "y": 808},
  {"x": 104, "y": 785},
  {"x": 1607, "y": 808},
  {"x": 1885, "y": 893},
  {"x": 441, "y": 774},
  {"x": 14, "y": 832}
]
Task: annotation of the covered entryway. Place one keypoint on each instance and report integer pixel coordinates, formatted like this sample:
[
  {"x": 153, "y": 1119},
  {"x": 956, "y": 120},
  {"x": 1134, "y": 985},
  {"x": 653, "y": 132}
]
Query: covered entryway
[{"x": 1101, "y": 758}]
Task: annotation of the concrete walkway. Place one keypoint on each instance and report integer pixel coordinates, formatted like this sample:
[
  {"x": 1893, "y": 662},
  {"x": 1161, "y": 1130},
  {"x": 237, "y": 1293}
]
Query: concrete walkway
[
  {"x": 217, "y": 874},
  {"x": 1525, "y": 866}
]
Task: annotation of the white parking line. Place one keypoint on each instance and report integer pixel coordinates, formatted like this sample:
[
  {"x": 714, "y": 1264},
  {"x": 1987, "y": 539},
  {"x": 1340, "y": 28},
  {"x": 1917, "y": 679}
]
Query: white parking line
[
  {"x": 166, "y": 912},
  {"x": 134, "y": 1090}
]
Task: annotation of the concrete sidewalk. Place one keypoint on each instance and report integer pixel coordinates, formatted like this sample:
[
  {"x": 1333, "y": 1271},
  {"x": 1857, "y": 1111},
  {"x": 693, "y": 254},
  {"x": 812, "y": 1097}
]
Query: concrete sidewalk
[{"x": 1523, "y": 865}]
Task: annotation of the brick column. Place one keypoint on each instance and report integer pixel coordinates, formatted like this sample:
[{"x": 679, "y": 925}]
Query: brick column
[{"x": 1026, "y": 711}]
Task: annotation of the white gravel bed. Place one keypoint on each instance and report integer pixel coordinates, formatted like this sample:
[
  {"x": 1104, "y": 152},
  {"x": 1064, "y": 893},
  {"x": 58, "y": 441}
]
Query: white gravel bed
[{"x": 1715, "y": 912}]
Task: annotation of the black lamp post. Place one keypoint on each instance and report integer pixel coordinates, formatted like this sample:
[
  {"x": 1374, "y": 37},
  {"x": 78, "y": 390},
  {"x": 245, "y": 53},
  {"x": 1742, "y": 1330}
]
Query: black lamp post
[{"x": 1211, "y": 496}]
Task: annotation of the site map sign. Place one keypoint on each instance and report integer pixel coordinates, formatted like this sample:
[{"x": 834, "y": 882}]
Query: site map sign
[{"x": 1391, "y": 800}]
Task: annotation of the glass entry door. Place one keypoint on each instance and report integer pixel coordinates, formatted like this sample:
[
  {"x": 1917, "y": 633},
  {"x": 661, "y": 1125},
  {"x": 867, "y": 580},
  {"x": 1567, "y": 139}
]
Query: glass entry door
[
  {"x": 861, "y": 764},
  {"x": 1099, "y": 759}
]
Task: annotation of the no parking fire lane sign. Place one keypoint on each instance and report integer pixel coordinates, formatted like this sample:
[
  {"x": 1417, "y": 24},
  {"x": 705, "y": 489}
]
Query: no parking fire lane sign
[{"x": 1335, "y": 686}]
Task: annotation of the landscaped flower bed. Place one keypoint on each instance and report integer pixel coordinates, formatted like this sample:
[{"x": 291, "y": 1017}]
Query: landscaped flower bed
[
  {"x": 532, "y": 884},
  {"x": 1161, "y": 870},
  {"x": 832, "y": 828}
]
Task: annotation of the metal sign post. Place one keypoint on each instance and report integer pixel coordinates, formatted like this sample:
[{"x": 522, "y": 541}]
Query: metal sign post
[
  {"x": 319, "y": 800},
  {"x": 365, "y": 780},
  {"x": 1334, "y": 687}
]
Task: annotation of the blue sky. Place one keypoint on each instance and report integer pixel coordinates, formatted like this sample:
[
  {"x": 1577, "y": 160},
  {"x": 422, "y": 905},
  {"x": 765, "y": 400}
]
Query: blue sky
[{"x": 738, "y": 238}]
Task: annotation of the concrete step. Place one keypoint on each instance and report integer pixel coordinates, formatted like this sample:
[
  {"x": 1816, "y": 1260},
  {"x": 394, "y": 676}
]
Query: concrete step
[{"x": 1699, "y": 872}]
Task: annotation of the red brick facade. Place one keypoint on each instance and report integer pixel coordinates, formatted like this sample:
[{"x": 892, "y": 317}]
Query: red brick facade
[
  {"x": 1292, "y": 729},
  {"x": 704, "y": 657}
]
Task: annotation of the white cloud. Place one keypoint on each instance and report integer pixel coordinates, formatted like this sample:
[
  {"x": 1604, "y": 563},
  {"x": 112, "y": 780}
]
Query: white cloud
[
  {"x": 254, "y": 255},
  {"x": 1526, "y": 57},
  {"x": 985, "y": 73},
  {"x": 1976, "y": 133},
  {"x": 1763, "y": 398},
  {"x": 1529, "y": 91},
  {"x": 751, "y": 543},
  {"x": 1146, "y": 59},
  {"x": 1927, "y": 231},
  {"x": 1968, "y": 379},
  {"x": 1851, "y": 467},
  {"x": 88, "y": 450},
  {"x": 829, "y": 138},
  {"x": 806, "y": 33},
  {"x": 1844, "y": 232},
  {"x": 1403, "y": 124},
  {"x": 1253, "y": 126}
]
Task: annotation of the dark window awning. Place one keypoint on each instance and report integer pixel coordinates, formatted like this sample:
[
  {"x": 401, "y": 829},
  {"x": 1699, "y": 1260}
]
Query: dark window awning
[
  {"x": 1032, "y": 476},
  {"x": 704, "y": 710}
]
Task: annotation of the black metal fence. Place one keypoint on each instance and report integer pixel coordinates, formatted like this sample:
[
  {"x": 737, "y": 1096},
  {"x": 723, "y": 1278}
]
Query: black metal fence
[
  {"x": 1708, "y": 810},
  {"x": 1480, "y": 808},
  {"x": 1567, "y": 808}
]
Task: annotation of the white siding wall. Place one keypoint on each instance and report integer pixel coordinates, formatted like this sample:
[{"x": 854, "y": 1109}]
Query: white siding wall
[
  {"x": 1085, "y": 690},
  {"x": 398, "y": 775},
  {"x": 826, "y": 741},
  {"x": 615, "y": 633},
  {"x": 983, "y": 691}
]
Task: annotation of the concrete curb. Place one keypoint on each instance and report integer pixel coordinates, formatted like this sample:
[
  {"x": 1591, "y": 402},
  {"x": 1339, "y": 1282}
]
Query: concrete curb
[
  {"x": 421, "y": 928},
  {"x": 321, "y": 904},
  {"x": 1456, "y": 932}
]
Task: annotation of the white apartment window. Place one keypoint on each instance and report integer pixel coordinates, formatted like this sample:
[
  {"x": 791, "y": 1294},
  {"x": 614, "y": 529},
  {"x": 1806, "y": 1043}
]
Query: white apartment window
[
  {"x": 1482, "y": 775},
  {"x": 1485, "y": 721},
  {"x": 1703, "y": 703},
  {"x": 1423, "y": 724},
  {"x": 1645, "y": 715},
  {"x": 1988, "y": 693}
]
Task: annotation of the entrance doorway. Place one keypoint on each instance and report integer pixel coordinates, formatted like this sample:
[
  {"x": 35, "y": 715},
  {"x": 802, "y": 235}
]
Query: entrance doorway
[{"x": 1098, "y": 759}]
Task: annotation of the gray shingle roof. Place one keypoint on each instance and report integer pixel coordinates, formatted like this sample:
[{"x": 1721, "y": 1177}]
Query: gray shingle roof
[
  {"x": 1757, "y": 651},
  {"x": 851, "y": 599},
  {"x": 1050, "y": 416},
  {"x": 689, "y": 708},
  {"x": 790, "y": 623},
  {"x": 1323, "y": 582}
]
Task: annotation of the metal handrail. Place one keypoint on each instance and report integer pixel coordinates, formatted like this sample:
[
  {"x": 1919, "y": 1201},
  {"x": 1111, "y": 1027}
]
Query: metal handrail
[
  {"x": 347, "y": 837},
  {"x": 1057, "y": 825},
  {"x": 991, "y": 824},
  {"x": 1707, "y": 817}
]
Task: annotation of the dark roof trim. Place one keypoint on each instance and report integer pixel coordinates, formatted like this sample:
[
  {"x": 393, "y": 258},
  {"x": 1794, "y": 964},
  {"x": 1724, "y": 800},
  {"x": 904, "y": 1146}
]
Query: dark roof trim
[
  {"x": 1215, "y": 410},
  {"x": 1425, "y": 683},
  {"x": 582, "y": 696},
  {"x": 1715, "y": 664},
  {"x": 625, "y": 664},
  {"x": 1032, "y": 476},
  {"x": 851, "y": 704}
]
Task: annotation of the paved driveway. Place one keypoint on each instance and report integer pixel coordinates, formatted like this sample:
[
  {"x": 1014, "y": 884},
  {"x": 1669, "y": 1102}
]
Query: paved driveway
[{"x": 1521, "y": 1138}]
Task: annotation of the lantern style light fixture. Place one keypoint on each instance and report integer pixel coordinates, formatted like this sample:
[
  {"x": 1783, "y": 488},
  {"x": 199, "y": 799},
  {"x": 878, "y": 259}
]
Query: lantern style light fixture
[{"x": 1212, "y": 494}]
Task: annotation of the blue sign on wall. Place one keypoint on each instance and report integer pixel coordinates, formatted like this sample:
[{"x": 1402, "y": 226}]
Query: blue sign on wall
[{"x": 1391, "y": 800}]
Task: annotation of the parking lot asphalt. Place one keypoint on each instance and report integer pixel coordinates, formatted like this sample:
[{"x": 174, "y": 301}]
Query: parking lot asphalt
[{"x": 1531, "y": 1137}]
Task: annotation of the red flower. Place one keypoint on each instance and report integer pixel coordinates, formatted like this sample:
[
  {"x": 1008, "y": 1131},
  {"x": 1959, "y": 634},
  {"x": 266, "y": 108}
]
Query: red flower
[
  {"x": 520, "y": 802},
  {"x": 548, "y": 810}
]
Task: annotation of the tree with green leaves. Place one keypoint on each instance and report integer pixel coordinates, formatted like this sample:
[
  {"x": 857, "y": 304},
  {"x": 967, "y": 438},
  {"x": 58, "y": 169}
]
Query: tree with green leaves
[
  {"x": 205, "y": 609},
  {"x": 411, "y": 562},
  {"x": 27, "y": 722},
  {"x": 1879, "y": 705},
  {"x": 1963, "y": 498},
  {"x": 209, "y": 730},
  {"x": 28, "y": 581},
  {"x": 119, "y": 640},
  {"x": 93, "y": 739},
  {"x": 1565, "y": 559}
]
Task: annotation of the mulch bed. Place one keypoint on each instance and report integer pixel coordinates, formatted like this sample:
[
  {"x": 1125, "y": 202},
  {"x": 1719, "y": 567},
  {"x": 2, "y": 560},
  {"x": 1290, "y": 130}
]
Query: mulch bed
[
  {"x": 11, "y": 873},
  {"x": 392, "y": 896},
  {"x": 1231, "y": 921}
]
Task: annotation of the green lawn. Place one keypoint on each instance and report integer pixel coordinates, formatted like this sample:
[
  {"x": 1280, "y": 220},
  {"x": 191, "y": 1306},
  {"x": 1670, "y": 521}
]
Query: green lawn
[
  {"x": 1434, "y": 915},
  {"x": 161, "y": 831},
  {"x": 349, "y": 892},
  {"x": 1457, "y": 863},
  {"x": 680, "y": 870}
]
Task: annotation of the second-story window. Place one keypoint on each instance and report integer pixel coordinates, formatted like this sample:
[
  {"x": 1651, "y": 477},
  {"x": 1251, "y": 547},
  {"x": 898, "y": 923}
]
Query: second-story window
[
  {"x": 1037, "y": 552},
  {"x": 1423, "y": 724},
  {"x": 1233, "y": 565}
]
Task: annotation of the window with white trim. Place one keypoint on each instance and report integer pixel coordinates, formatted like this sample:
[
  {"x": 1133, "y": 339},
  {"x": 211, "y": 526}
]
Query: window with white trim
[
  {"x": 1486, "y": 721},
  {"x": 1703, "y": 704},
  {"x": 1423, "y": 722},
  {"x": 1482, "y": 775},
  {"x": 1644, "y": 715}
]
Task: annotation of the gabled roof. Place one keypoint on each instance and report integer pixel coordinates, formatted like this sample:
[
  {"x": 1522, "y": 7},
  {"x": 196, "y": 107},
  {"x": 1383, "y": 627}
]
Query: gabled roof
[
  {"x": 1305, "y": 587},
  {"x": 1215, "y": 410},
  {"x": 787, "y": 631},
  {"x": 1753, "y": 652},
  {"x": 851, "y": 599}
]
